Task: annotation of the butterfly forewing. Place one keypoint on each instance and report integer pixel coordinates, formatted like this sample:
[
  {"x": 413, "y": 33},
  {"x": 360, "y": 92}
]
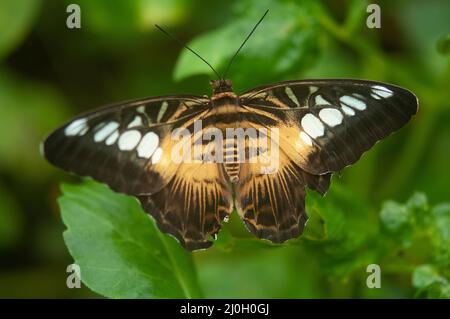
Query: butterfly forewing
[
  {"x": 129, "y": 147},
  {"x": 329, "y": 124},
  {"x": 125, "y": 145}
]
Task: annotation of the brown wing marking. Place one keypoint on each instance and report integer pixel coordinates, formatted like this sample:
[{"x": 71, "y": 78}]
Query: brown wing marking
[
  {"x": 272, "y": 206},
  {"x": 192, "y": 206}
]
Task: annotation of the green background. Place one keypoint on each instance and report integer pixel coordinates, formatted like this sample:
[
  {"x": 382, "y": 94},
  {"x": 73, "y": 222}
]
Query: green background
[{"x": 392, "y": 208}]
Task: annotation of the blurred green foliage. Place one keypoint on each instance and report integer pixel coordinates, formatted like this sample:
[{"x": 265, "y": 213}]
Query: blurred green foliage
[
  {"x": 372, "y": 214},
  {"x": 290, "y": 33},
  {"x": 16, "y": 18}
]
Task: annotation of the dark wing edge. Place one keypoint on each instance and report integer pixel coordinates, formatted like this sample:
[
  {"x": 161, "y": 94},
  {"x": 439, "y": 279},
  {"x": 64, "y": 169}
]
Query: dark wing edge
[{"x": 306, "y": 83}]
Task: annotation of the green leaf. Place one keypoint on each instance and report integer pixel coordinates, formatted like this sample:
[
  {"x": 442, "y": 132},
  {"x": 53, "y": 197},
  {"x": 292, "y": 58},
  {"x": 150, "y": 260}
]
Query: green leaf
[
  {"x": 315, "y": 227},
  {"x": 428, "y": 280},
  {"x": 441, "y": 214},
  {"x": 119, "y": 249},
  {"x": 287, "y": 40},
  {"x": 227, "y": 241},
  {"x": 16, "y": 18},
  {"x": 418, "y": 209},
  {"x": 335, "y": 212},
  {"x": 395, "y": 216},
  {"x": 338, "y": 231},
  {"x": 425, "y": 275},
  {"x": 418, "y": 202},
  {"x": 324, "y": 210}
]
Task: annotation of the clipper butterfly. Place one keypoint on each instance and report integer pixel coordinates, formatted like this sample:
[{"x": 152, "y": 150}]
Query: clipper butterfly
[{"x": 321, "y": 126}]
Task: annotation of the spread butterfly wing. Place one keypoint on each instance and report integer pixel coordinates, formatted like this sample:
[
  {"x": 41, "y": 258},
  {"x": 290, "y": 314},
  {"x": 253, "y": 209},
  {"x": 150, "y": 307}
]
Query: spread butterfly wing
[
  {"x": 329, "y": 124},
  {"x": 270, "y": 188},
  {"x": 127, "y": 146},
  {"x": 272, "y": 202},
  {"x": 193, "y": 205}
]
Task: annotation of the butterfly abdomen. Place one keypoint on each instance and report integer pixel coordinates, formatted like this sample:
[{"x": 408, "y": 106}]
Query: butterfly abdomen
[
  {"x": 231, "y": 163},
  {"x": 226, "y": 115}
]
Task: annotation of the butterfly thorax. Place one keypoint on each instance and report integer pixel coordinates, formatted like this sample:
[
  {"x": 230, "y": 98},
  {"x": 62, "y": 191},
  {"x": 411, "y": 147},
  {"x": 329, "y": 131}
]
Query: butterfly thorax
[{"x": 223, "y": 97}]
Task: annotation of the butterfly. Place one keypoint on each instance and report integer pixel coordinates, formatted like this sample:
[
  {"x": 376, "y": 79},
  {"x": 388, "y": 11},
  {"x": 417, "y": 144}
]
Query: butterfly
[
  {"x": 323, "y": 125},
  {"x": 311, "y": 129}
]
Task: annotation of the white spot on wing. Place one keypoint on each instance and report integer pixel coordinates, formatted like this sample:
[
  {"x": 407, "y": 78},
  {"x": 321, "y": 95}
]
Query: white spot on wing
[
  {"x": 84, "y": 131},
  {"x": 141, "y": 109},
  {"x": 128, "y": 140},
  {"x": 353, "y": 102},
  {"x": 105, "y": 131},
  {"x": 312, "y": 125},
  {"x": 357, "y": 95},
  {"x": 148, "y": 145},
  {"x": 313, "y": 89},
  {"x": 321, "y": 101},
  {"x": 157, "y": 155},
  {"x": 306, "y": 139},
  {"x": 112, "y": 138},
  {"x": 162, "y": 110},
  {"x": 137, "y": 121},
  {"x": 381, "y": 91},
  {"x": 77, "y": 127},
  {"x": 331, "y": 117},
  {"x": 348, "y": 110},
  {"x": 190, "y": 103},
  {"x": 375, "y": 96},
  {"x": 291, "y": 95}
]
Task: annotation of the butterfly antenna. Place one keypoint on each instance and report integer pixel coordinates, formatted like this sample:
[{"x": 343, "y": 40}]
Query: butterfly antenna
[
  {"x": 185, "y": 46},
  {"x": 243, "y": 43}
]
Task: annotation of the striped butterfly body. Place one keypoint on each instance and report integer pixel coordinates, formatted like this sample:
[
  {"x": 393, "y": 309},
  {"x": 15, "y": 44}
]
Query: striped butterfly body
[{"x": 305, "y": 131}]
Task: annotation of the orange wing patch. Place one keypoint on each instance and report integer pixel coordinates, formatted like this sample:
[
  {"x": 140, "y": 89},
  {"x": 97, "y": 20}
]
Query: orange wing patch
[
  {"x": 272, "y": 206},
  {"x": 272, "y": 202},
  {"x": 193, "y": 205}
]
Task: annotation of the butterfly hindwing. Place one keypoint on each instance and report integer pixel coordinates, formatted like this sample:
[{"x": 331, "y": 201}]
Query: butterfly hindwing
[
  {"x": 126, "y": 146},
  {"x": 272, "y": 206},
  {"x": 270, "y": 194},
  {"x": 193, "y": 205},
  {"x": 332, "y": 122}
]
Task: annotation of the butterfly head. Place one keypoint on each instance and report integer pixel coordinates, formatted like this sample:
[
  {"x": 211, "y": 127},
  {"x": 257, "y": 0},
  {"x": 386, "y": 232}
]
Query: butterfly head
[{"x": 221, "y": 86}]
